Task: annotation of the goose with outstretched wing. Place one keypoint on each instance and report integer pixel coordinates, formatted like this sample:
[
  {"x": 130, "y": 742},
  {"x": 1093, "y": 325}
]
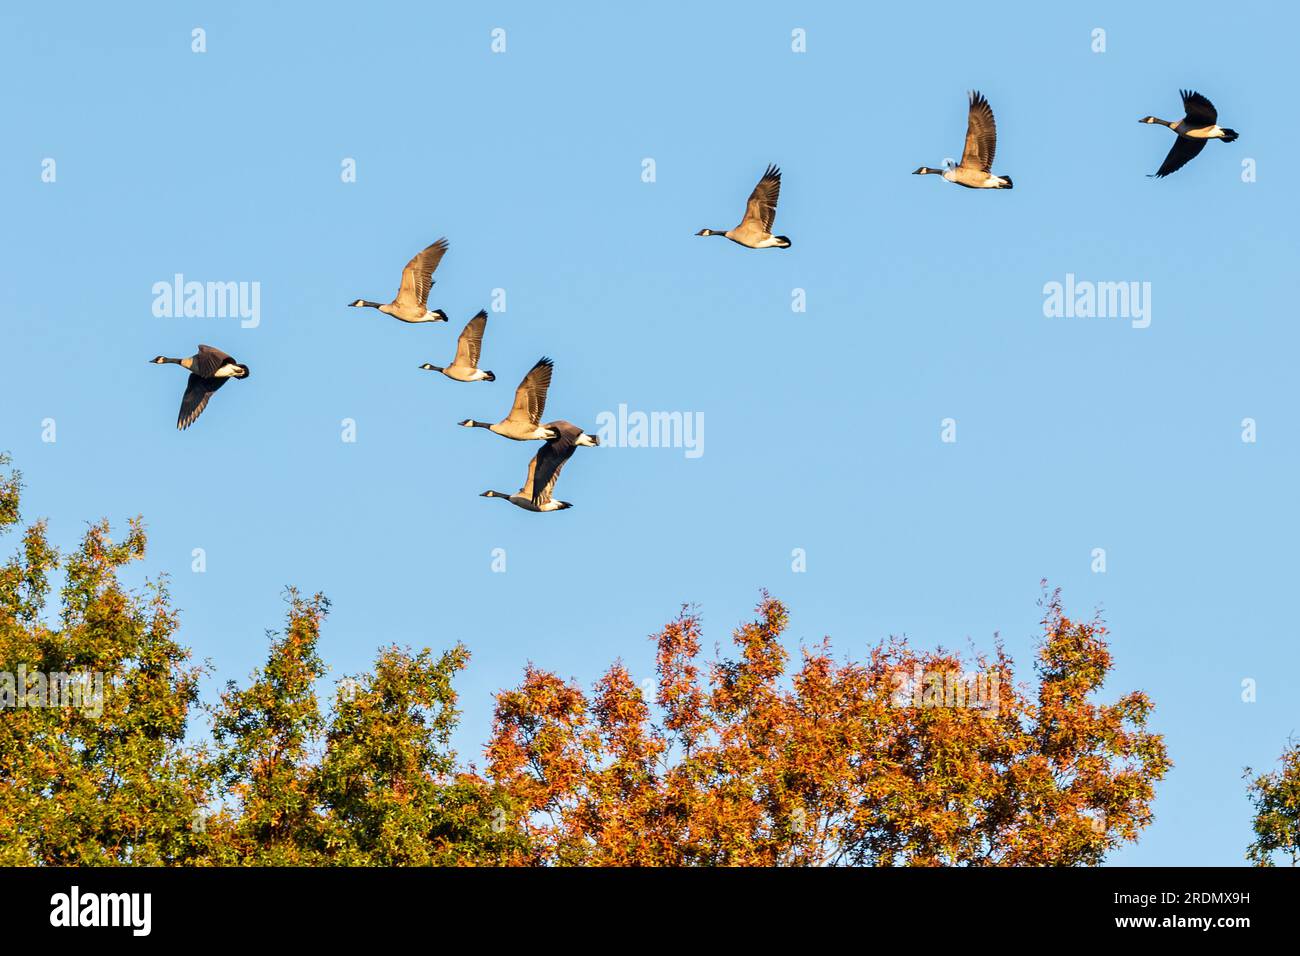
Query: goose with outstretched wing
[{"x": 209, "y": 369}]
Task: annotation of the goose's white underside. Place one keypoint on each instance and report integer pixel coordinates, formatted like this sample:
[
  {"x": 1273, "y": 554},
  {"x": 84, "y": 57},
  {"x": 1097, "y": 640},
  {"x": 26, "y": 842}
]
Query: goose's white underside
[
  {"x": 991, "y": 183},
  {"x": 520, "y": 431},
  {"x": 427, "y": 317},
  {"x": 463, "y": 374},
  {"x": 527, "y": 504}
]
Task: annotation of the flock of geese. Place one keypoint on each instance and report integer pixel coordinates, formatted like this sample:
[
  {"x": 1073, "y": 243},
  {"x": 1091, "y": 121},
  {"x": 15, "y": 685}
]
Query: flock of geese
[
  {"x": 1199, "y": 124},
  {"x": 524, "y": 420},
  {"x": 210, "y": 367}
]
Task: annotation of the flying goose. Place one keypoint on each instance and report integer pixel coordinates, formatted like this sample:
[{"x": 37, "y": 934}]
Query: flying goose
[
  {"x": 755, "y": 230},
  {"x": 530, "y": 400},
  {"x": 544, "y": 469},
  {"x": 209, "y": 368},
  {"x": 1200, "y": 123},
  {"x": 413, "y": 294},
  {"x": 550, "y": 458},
  {"x": 975, "y": 169},
  {"x": 464, "y": 367}
]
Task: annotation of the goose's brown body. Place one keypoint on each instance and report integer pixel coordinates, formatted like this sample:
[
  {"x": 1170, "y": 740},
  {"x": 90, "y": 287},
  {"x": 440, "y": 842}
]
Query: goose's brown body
[{"x": 975, "y": 171}]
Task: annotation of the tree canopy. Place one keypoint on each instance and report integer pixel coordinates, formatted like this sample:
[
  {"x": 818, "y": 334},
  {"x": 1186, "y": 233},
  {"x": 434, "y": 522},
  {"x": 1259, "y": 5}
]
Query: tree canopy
[
  {"x": 910, "y": 756},
  {"x": 1276, "y": 798}
]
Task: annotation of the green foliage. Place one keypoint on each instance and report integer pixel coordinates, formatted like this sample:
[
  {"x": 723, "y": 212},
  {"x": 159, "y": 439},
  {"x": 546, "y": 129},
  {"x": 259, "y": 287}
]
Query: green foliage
[
  {"x": 115, "y": 782},
  {"x": 101, "y": 778},
  {"x": 264, "y": 733},
  {"x": 389, "y": 779},
  {"x": 1276, "y": 798}
]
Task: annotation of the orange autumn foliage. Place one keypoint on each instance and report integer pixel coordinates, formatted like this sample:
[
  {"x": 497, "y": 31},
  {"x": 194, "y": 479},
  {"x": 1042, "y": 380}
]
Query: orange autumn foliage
[{"x": 881, "y": 762}]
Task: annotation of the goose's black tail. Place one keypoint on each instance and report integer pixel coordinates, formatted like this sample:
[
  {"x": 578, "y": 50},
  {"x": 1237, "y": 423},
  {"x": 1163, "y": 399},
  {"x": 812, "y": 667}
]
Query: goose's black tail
[{"x": 1229, "y": 135}]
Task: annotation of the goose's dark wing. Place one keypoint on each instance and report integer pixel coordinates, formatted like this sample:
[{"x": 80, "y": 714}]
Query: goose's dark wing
[
  {"x": 1199, "y": 111},
  {"x": 470, "y": 343},
  {"x": 207, "y": 360},
  {"x": 550, "y": 458},
  {"x": 1183, "y": 151},
  {"x": 417, "y": 277},
  {"x": 981, "y": 135},
  {"x": 761, "y": 207},
  {"x": 530, "y": 396},
  {"x": 545, "y": 470},
  {"x": 197, "y": 392}
]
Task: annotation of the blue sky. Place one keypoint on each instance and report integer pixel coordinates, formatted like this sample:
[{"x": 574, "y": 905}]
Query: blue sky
[{"x": 924, "y": 302}]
